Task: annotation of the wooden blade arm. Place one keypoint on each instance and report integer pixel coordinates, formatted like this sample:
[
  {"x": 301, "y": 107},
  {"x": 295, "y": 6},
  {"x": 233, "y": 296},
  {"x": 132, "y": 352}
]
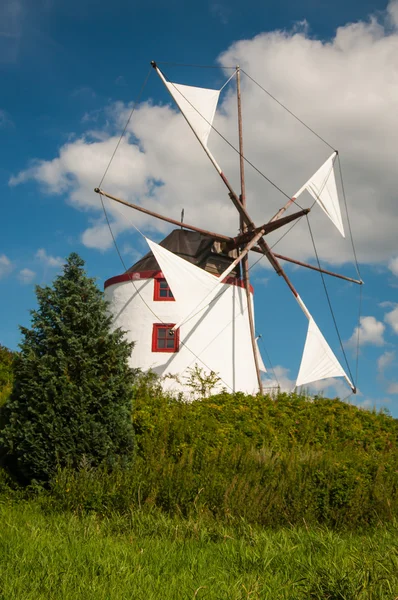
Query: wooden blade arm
[
  {"x": 282, "y": 210},
  {"x": 247, "y": 249},
  {"x": 308, "y": 266},
  {"x": 216, "y": 236},
  {"x": 268, "y": 227}
]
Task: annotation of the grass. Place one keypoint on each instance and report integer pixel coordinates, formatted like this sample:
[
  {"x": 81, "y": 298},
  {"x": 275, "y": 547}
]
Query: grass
[
  {"x": 274, "y": 462},
  {"x": 152, "y": 556},
  {"x": 233, "y": 497}
]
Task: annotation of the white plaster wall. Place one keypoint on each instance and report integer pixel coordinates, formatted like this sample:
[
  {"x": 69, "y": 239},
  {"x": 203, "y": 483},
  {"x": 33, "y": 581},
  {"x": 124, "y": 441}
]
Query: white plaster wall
[{"x": 217, "y": 339}]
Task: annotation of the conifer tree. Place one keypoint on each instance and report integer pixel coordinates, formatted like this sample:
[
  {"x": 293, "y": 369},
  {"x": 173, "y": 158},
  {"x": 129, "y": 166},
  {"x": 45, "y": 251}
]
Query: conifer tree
[
  {"x": 6, "y": 373},
  {"x": 73, "y": 387}
]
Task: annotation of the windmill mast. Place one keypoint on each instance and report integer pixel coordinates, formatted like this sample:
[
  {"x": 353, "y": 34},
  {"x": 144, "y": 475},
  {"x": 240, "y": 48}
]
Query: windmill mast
[{"x": 243, "y": 228}]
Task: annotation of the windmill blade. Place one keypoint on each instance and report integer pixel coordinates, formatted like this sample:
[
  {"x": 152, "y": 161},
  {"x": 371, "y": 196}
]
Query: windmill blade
[
  {"x": 198, "y": 105},
  {"x": 261, "y": 364},
  {"x": 318, "y": 361},
  {"x": 238, "y": 205},
  {"x": 193, "y": 287},
  {"x": 322, "y": 187}
]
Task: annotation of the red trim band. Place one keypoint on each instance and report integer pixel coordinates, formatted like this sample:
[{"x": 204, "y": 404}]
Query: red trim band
[{"x": 135, "y": 276}]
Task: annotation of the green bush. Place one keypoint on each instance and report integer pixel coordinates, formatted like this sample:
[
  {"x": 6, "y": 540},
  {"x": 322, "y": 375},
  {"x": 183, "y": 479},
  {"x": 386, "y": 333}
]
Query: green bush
[
  {"x": 271, "y": 461},
  {"x": 72, "y": 393},
  {"x": 6, "y": 373}
]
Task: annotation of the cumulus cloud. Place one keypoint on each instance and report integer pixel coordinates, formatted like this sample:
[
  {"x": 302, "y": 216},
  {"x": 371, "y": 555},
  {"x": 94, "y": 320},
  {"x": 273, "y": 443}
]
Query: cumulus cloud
[
  {"x": 384, "y": 361},
  {"x": 392, "y": 11},
  {"x": 371, "y": 332},
  {"x": 5, "y": 266},
  {"x": 331, "y": 386},
  {"x": 393, "y": 265},
  {"x": 391, "y": 318},
  {"x": 393, "y": 388},
  {"x": 26, "y": 276},
  {"x": 344, "y": 88},
  {"x": 279, "y": 377},
  {"x": 5, "y": 119},
  {"x": 48, "y": 260}
]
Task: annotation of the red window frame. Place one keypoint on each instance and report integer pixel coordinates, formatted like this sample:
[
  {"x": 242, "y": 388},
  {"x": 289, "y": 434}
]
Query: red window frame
[
  {"x": 161, "y": 286},
  {"x": 159, "y": 339}
]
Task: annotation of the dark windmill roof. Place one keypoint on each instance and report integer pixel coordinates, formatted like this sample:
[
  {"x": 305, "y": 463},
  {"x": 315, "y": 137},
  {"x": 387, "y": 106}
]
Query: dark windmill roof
[{"x": 200, "y": 250}]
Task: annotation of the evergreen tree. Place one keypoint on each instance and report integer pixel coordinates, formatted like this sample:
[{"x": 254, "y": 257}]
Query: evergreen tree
[
  {"x": 73, "y": 387},
  {"x": 6, "y": 373}
]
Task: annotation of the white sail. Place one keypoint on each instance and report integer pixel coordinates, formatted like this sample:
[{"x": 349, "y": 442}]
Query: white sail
[
  {"x": 261, "y": 364},
  {"x": 318, "y": 361},
  {"x": 322, "y": 187},
  {"x": 198, "y": 105},
  {"x": 194, "y": 288}
]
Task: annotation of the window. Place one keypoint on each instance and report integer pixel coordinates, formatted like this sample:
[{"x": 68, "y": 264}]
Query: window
[
  {"x": 162, "y": 290},
  {"x": 164, "y": 339}
]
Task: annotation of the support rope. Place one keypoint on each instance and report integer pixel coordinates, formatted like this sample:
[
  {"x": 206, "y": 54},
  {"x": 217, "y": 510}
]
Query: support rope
[
  {"x": 260, "y": 337},
  {"x": 288, "y": 110},
  {"x": 125, "y": 127},
  {"x": 348, "y": 219},
  {"x": 358, "y": 337},
  {"x": 328, "y": 299},
  {"x": 173, "y": 64},
  {"x": 253, "y": 166}
]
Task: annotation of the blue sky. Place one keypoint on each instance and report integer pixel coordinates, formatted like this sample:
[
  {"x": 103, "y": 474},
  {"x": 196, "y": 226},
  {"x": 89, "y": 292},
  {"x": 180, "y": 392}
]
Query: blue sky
[{"x": 69, "y": 71}]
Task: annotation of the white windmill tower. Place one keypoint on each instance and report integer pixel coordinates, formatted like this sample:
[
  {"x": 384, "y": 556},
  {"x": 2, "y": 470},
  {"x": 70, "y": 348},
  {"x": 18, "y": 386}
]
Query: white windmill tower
[{"x": 189, "y": 300}]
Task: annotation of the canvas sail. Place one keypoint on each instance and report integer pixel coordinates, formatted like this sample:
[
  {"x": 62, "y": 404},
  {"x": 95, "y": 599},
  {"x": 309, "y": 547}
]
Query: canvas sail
[
  {"x": 194, "y": 288},
  {"x": 198, "y": 105},
  {"x": 261, "y": 364},
  {"x": 322, "y": 187},
  {"x": 318, "y": 361}
]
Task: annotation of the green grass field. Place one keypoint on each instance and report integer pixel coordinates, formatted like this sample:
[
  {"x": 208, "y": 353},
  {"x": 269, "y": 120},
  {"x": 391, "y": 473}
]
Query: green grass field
[
  {"x": 151, "y": 556},
  {"x": 232, "y": 497}
]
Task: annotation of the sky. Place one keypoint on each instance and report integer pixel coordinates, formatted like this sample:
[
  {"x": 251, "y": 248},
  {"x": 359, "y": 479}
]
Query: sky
[{"x": 71, "y": 71}]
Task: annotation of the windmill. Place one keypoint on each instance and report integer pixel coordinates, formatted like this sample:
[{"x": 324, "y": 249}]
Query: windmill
[{"x": 189, "y": 300}]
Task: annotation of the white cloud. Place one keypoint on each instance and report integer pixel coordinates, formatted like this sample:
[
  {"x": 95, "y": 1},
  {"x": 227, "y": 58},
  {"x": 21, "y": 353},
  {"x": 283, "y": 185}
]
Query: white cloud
[
  {"x": 379, "y": 404},
  {"x": 371, "y": 331},
  {"x": 332, "y": 386},
  {"x": 279, "y": 377},
  {"x": 344, "y": 88},
  {"x": 328, "y": 387},
  {"x": 84, "y": 91},
  {"x": 392, "y": 11},
  {"x": 221, "y": 11},
  {"x": 392, "y": 319},
  {"x": 393, "y": 265},
  {"x": 367, "y": 403},
  {"x": 387, "y": 304},
  {"x": 26, "y": 276},
  {"x": 393, "y": 388},
  {"x": 384, "y": 361},
  {"x": 48, "y": 260},
  {"x": 5, "y": 119},
  {"x": 5, "y": 266}
]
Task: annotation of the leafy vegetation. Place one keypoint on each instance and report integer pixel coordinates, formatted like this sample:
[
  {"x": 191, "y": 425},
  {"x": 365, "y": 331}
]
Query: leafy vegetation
[
  {"x": 71, "y": 399},
  {"x": 6, "y": 373},
  {"x": 271, "y": 461}
]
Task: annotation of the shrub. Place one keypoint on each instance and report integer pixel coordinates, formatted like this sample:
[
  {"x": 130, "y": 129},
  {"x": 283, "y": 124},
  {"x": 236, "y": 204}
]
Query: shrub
[
  {"x": 6, "y": 373},
  {"x": 72, "y": 392}
]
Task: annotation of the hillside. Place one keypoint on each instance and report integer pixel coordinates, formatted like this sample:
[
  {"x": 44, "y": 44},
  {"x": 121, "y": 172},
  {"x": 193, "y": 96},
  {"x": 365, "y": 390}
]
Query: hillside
[
  {"x": 273, "y": 461},
  {"x": 229, "y": 497}
]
